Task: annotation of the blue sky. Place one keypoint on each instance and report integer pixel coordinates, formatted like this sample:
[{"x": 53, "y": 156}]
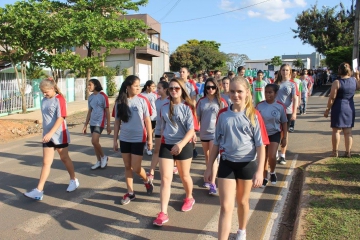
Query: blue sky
[{"x": 261, "y": 31}]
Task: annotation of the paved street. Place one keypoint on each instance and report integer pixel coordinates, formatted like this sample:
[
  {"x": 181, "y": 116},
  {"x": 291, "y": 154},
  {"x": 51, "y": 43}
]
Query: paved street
[{"x": 93, "y": 211}]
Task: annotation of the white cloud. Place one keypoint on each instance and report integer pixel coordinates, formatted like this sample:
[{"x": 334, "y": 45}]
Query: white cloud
[{"x": 273, "y": 10}]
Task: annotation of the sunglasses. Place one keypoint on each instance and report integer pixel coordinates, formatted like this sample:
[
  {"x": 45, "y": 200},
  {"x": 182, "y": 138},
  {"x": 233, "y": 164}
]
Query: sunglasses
[
  {"x": 210, "y": 87},
  {"x": 174, "y": 88}
]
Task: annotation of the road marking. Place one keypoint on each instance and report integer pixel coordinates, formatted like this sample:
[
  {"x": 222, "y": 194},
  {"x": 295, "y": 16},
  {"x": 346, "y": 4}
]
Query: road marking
[{"x": 276, "y": 217}]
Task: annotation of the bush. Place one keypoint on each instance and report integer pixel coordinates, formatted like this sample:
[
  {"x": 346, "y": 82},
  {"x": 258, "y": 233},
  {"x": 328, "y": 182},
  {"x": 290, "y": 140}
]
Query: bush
[
  {"x": 335, "y": 56},
  {"x": 110, "y": 74}
]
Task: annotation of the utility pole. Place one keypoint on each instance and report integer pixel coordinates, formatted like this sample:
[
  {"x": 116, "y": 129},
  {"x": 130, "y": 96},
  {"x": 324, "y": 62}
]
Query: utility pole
[{"x": 355, "y": 53}]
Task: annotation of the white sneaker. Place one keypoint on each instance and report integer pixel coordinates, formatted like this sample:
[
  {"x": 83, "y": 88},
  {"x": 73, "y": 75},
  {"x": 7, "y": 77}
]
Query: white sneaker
[
  {"x": 240, "y": 235},
  {"x": 96, "y": 165},
  {"x": 149, "y": 152},
  {"x": 74, "y": 184},
  {"x": 35, "y": 194},
  {"x": 104, "y": 161}
]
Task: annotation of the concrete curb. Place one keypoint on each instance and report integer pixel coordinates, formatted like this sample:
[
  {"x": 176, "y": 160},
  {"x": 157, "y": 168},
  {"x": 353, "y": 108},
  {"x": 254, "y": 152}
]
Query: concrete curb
[{"x": 303, "y": 206}]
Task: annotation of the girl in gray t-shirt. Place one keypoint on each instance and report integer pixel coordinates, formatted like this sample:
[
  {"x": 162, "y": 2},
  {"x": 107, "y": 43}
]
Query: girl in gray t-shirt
[
  {"x": 133, "y": 112},
  {"x": 240, "y": 137},
  {"x": 207, "y": 109},
  {"x": 273, "y": 113},
  {"x": 55, "y": 137},
  {"x": 178, "y": 123}
]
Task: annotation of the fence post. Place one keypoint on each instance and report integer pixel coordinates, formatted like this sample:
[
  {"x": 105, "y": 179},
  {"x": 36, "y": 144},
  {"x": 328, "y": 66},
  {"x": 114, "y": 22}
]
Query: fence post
[{"x": 37, "y": 94}]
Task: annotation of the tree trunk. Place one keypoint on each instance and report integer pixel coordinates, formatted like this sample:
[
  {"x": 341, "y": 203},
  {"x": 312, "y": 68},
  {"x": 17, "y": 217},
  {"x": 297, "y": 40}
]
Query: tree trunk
[{"x": 23, "y": 87}]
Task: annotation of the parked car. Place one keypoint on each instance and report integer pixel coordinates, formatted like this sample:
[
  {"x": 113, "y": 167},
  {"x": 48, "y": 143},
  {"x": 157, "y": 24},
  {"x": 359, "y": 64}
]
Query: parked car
[{"x": 171, "y": 75}]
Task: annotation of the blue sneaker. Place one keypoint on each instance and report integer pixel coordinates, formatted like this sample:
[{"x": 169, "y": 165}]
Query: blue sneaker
[
  {"x": 206, "y": 185},
  {"x": 212, "y": 190}
]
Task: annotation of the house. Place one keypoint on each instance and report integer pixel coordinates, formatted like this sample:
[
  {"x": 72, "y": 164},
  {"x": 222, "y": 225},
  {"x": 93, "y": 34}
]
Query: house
[
  {"x": 149, "y": 62},
  {"x": 313, "y": 62}
]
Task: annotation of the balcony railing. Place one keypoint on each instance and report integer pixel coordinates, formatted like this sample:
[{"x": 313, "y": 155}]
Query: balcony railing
[{"x": 154, "y": 46}]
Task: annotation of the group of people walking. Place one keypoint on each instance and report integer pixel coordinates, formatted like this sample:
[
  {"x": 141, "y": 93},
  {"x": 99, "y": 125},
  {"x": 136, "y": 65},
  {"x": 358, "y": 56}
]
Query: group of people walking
[{"x": 240, "y": 124}]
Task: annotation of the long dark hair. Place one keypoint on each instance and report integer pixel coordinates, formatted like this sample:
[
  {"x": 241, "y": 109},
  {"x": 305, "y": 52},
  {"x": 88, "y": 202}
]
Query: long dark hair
[
  {"x": 217, "y": 92},
  {"x": 147, "y": 84},
  {"x": 123, "y": 110},
  {"x": 165, "y": 85},
  {"x": 184, "y": 95}
]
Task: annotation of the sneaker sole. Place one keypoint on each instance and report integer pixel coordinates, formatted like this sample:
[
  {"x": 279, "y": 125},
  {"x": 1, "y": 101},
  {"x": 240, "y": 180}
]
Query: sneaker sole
[
  {"x": 282, "y": 163},
  {"x": 127, "y": 202},
  {"x": 160, "y": 225},
  {"x": 37, "y": 199},
  {"x": 210, "y": 193},
  {"x": 273, "y": 183},
  {"x": 72, "y": 190},
  {"x": 95, "y": 168}
]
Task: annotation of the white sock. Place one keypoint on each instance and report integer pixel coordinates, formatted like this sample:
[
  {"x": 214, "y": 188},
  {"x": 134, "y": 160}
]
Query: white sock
[
  {"x": 282, "y": 155},
  {"x": 131, "y": 193},
  {"x": 277, "y": 154},
  {"x": 242, "y": 231},
  {"x": 272, "y": 172}
]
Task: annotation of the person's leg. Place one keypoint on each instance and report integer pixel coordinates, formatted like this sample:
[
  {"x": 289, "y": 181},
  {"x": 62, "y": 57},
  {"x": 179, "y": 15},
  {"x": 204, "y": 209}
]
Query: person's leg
[
  {"x": 206, "y": 147},
  {"x": 136, "y": 166},
  {"x": 184, "y": 172},
  {"x": 335, "y": 139},
  {"x": 95, "y": 141},
  {"x": 283, "y": 150},
  {"x": 65, "y": 158},
  {"x": 271, "y": 155},
  {"x": 304, "y": 104},
  {"x": 348, "y": 141},
  {"x": 266, "y": 163},
  {"x": 215, "y": 165},
  {"x": 243, "y": 188},
  {"x": 227, "y": 202},
  {"x": 155, "y": 157},
  {"x": 128, "y": 171},
  {"x": 48, "y": 158},
  {"x": 166, "y": 173}
]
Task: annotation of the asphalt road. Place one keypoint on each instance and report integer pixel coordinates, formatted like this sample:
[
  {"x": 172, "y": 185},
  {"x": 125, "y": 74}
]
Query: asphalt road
[{"x": 94, "y": 211}]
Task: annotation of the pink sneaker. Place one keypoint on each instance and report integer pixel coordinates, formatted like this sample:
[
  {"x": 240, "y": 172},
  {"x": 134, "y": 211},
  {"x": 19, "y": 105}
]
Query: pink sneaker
[
  {"x": 188, "y": 204},
  {"x": 175, "y": 170},
  {"x": 161, "y": 219}
]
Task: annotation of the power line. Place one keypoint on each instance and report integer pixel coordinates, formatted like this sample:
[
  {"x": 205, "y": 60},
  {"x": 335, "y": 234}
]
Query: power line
[
  {"x": 238, "y": 9},
  {"x": 159, "y": 10},
  {"x": 172, "y": 8}
]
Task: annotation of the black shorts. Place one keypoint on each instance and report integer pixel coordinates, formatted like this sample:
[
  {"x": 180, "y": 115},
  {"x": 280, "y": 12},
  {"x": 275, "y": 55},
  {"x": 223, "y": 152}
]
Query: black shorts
[
  {"x": 186, "y": 152},
  {"x": 136, "y": 148},
  {"x": 153, "y": 124},
  {"x": 53, "y": 145},
  {"x": 275, "y": 137},
  {"x": 206, "y": 140},
  {"x": 237, "y": 170},
  {"x": 157, "y": 136},
  {"x": 96, "y": 129},
  {"x": 288, "y": 116}
]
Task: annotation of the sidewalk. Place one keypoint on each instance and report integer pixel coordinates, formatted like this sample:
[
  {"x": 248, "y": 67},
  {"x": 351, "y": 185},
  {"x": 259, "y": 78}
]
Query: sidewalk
[{"x": 72, "y": 107}]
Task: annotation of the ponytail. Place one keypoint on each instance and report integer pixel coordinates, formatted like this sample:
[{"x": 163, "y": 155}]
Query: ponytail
[
  {"x": 147, "y": 84},
  {"x": 50, "y": 83},
  {"x": 122, "y": 107}
]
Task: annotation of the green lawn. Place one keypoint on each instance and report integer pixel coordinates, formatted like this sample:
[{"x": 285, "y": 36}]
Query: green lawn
[{"x": 334, "y": 205}]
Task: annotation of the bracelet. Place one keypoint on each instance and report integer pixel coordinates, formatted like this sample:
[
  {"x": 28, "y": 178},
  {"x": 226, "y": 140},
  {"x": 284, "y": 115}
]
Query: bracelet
[{"x": 327, "y": 109}]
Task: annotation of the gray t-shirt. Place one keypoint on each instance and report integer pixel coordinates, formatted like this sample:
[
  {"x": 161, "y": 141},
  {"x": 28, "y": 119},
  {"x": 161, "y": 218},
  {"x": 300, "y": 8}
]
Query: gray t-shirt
[
  {"x": 159, "y": 103},
  {"x": 273, "y": 115},
  {"x": 207, "y": 111},
  {"x": 285, "y": 95},
  {"x": 97, "y": 103},
  {"x": 304, "y": 88},
  {"x": 183, "y": 118},
  {"x": 237, "y": 138},
  {"x": 191, "y": 88},
  {"x": 51, "y": 110},
  {"x": 152, "y": 98},
  {"x": 134, "y": 130},
  {"x": 227, "y": 98}
]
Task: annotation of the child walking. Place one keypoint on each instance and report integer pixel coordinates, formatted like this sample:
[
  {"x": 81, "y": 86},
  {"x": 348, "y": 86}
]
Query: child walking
[
  {"x": 98, "y": 116},
  {"x": 178, "y": 122},
  {"x": 55, "y": 137},
  {"x": 304, "y": 93},
  {"x": 240, "y": 136},
  {"x": 274, "y": 115},
  {"x": 162, "y": 91},
  {"x": 207, "y": 109},
  {"x": 132, "y": 111}
]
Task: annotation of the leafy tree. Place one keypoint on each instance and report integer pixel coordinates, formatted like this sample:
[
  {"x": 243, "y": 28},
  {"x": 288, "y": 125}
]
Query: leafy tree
[
  {"x": 298, "y": 63},
  {"x": 276, "y": 61},
  {"x": 323, "y": 62},
  {"x": 23, "y": 28},
  {"x": 338, "y": 55},
  {"x": 34, "y": 71},
  {"x": 236, "y": 60},
  {"x": 326, "y": 28},
  {"x": 197, "y": 56},
  {"x": 99, "y": 26}
]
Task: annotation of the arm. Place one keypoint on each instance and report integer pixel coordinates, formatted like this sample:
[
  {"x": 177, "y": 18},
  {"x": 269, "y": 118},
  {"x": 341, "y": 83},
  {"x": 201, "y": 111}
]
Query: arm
[
  {"x": 357, "y": 77},
  {"x": 295, "y": 106},
  {"x": 285, "y": 134},
  {"x": 56, "y": 126},
  {"x": 107, "y": 112},
  {"x": 86, "y": 121},
  {"x": 116, "y": 134},
  {"x": 176, "y": 149},
  {"x": 334, "y": 87},
  {"x": 148, "y": 126},
  {"x": 258, "y": 176}
]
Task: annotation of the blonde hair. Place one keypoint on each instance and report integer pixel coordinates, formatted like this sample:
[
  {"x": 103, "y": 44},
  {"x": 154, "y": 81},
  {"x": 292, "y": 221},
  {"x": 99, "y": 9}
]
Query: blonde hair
[
  {"x": 48, "y": 83},
  {"x": 250, "y": 109},
  {"x": 279, "y": 76}
]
